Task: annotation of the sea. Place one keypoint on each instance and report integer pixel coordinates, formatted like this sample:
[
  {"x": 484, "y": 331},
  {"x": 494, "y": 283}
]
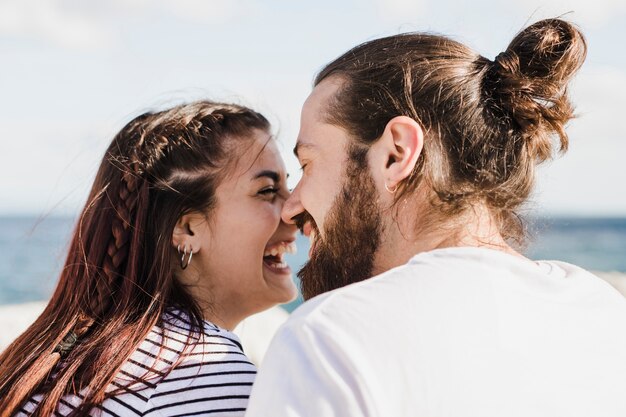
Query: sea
[{"x": 33, "y": 249}]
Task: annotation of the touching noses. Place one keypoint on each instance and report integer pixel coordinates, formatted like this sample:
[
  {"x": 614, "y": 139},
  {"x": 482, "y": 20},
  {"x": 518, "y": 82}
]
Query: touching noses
[{"x": 292, "y": 207}]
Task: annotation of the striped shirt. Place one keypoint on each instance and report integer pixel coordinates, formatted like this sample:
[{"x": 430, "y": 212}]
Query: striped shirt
[{"x": 210, "y": 377}]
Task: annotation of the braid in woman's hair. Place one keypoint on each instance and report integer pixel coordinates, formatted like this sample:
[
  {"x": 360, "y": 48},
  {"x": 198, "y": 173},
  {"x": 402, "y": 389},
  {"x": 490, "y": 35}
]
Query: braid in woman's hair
[
  {"x": 117, "y": 250},
  {"x": 132, "y": 187}
]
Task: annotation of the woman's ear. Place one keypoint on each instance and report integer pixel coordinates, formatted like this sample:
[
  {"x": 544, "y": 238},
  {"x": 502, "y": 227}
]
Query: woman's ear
[
  {"x": 399, "y": 148},
  {"x": 185, "y": 232}
]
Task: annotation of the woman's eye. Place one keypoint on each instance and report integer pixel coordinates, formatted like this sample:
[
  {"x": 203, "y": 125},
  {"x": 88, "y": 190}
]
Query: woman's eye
[
  {"x": 302, "y": 167},
  {"x": 271, "y": 191}
]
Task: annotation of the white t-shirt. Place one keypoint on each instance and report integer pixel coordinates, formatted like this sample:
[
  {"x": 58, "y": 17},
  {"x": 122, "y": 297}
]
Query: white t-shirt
[{"x": 456, "y": 332}]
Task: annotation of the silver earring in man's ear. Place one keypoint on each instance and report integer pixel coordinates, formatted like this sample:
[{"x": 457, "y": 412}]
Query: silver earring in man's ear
[
  {"x": 391, "y": 191},
  {"x": 184, "y": 264}
]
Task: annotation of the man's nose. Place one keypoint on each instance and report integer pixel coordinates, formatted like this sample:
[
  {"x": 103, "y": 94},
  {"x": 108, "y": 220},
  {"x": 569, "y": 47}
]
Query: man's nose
[{"x": 292, "y": 207}]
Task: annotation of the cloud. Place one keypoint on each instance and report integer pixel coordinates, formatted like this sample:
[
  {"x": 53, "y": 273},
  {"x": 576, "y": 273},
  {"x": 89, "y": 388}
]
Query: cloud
[
  {"x": 49, "y": 166},
  {"x": 50, "y": 21},
  {"x": 586, "y": 179},
  {"x": 205, "y": 11},
  {"x": 73, "y": 24},
  {"x": 188, "y": 10},
  {"x": 599, "y": 93},
  {"x": 400, "y": 10},
  {"x": 585, "y": 12}
]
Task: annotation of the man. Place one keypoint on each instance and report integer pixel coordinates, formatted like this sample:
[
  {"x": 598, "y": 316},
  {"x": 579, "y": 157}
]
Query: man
[{"x": 416, "y": 153}]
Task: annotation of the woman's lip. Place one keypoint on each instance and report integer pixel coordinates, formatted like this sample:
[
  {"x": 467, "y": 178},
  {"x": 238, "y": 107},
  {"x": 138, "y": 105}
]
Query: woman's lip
[
  {"x": 306, "y": 229},
  {"x": 282, "y": 271},
  {"x": 285, "y": 240}
]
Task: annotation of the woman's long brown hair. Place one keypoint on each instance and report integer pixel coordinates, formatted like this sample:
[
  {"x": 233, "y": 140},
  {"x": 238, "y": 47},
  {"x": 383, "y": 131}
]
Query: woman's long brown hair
[{"x": 119, "y": 278}]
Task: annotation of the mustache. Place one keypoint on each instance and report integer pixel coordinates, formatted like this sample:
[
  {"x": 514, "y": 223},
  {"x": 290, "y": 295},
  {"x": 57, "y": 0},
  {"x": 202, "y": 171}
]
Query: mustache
[{"x": 303, "y": 218}]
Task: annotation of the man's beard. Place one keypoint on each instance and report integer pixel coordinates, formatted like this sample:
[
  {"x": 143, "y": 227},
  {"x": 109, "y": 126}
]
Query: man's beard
[{"x": 345, "y": 254}]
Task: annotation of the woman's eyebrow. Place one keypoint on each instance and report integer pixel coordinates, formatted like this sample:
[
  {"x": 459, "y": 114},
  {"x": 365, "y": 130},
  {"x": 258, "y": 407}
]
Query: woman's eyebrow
[{"x": 275, "y": 176}]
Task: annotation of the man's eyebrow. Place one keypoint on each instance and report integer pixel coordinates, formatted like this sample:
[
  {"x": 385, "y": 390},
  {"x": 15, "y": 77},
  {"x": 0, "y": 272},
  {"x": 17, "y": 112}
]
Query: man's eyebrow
[
  {"x": 273, "y": 175},
  {"x": 300, "y": 145}
]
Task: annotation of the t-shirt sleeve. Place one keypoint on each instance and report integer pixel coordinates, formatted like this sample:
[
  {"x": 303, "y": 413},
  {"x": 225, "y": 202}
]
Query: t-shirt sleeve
[{"x": 308, "y": 372}]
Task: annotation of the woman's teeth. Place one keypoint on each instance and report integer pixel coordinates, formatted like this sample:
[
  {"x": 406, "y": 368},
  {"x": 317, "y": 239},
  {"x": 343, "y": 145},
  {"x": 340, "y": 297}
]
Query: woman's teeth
[
  {"x": 280, "y": 249},
  {"x": 278, "y": 265},
  {"x": 273, "y": 256}
]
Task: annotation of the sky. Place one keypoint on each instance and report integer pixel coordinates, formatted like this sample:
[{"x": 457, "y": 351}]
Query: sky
[{"x": 73, "y": 72}]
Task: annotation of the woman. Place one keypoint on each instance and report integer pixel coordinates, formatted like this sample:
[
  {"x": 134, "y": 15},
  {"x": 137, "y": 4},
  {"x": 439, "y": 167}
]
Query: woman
[{"x": 180, "y": 239}]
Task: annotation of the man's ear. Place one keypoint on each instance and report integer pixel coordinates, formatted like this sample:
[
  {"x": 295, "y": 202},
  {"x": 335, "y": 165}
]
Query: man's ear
[
  {"x": 184, "y": 234},
  {"x": 399, "y": 148}
]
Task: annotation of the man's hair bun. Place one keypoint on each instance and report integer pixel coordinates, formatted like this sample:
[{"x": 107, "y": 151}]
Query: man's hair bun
[{"x": 526, "y": 84}]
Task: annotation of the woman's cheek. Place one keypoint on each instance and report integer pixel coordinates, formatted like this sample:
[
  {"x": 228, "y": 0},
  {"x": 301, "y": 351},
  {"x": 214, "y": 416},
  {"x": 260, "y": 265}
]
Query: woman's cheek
[{"x": 271, "y": 216}]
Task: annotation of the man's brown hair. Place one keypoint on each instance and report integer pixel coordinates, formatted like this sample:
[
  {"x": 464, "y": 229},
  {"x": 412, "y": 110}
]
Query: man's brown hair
[{"x": 487, "y": 123}]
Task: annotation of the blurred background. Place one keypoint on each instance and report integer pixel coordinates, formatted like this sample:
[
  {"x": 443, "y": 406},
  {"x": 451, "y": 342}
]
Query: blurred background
[{"x": 74, "y": 72}]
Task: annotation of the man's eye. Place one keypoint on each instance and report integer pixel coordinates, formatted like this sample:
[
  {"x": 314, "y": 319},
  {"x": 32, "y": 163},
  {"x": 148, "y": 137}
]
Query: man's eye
[{"x": 302, "y": 167}]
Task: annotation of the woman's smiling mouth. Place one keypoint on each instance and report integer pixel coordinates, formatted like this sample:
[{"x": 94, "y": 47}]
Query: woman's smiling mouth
[{"x": 273, "y": 257}]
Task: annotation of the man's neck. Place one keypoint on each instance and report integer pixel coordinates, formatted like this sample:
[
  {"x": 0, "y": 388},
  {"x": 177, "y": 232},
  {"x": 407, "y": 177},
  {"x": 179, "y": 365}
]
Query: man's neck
[{"x": 406, "y": 235}]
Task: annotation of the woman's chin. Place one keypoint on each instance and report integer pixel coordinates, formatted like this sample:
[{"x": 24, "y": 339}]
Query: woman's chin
[{"x": 280, "y": 279}]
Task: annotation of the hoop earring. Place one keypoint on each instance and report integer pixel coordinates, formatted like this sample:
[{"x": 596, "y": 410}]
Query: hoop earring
[
  {"x": 184, "y": 264},
  {"x": 391, "y": 191}
]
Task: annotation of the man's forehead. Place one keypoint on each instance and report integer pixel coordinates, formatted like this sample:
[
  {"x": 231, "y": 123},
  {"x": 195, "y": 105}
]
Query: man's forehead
[
  {"x": 322, "y": 95},
  {"x": 314, "y": 111}
]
